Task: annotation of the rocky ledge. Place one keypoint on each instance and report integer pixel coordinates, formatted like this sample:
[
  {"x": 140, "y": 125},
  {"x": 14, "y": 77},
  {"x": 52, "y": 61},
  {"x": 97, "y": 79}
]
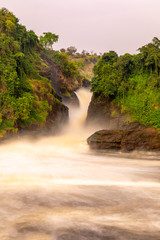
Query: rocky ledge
[
  {"x": 131, "y": 139},
  {"x": 61, "y": 84}
]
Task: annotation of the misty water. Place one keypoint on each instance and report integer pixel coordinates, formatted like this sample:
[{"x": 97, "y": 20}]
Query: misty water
[{"x": 56, "y": 188}]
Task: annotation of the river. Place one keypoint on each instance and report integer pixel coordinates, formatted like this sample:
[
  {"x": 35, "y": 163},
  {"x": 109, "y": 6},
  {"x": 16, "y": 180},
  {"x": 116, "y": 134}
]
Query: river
[{"x": 56, "y": 188}]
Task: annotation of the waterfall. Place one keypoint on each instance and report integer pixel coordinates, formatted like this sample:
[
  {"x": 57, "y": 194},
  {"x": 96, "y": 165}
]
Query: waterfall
[
  {"x": 77, "y": 115},
  {"x": 55, "y": 188}
]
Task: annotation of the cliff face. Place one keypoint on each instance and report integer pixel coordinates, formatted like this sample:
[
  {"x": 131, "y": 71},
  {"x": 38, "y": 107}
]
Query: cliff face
[
  {"x": 119, "y": 132},
  {"x": 104, "y": 113},
  {"x": 27, "y": 99},
  {"x": 63, "y": 87}
]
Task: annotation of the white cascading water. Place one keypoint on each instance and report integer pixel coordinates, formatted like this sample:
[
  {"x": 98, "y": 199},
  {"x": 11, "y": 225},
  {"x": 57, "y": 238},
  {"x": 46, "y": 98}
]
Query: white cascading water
[{"x": 55, "y": 188}]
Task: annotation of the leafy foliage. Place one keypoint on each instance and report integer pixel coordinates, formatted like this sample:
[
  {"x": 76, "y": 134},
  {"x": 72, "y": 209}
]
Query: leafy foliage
[
  {"x": 69, "y": 68},
  {"x": 133, "y": 81},
  {"x": 20, "y": 103},
  {"x": 71, "y": 50},
  {"x": 48, "y": 39}
]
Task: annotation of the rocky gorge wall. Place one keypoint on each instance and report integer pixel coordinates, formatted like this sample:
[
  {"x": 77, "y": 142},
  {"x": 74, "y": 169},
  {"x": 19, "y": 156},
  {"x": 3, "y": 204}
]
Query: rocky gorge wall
[
  {"x": 119, "y": 131},
  {"x": 59, "y": 82},
  {"x": 104, "y": 113}
]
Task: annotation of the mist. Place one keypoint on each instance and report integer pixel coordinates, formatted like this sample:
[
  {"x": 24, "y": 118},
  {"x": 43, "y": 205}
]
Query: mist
[{"x": 50, "y": 184}]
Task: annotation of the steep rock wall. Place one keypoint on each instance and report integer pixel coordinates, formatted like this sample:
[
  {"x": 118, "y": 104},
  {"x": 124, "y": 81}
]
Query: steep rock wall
[{"x": 59, "y": 82}]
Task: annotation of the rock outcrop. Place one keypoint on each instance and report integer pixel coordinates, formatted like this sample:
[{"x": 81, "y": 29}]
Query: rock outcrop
[
  {"x": 140, "y": 139},
  {"x": 86, "y": 83},
  {"x": 59, "y": 82},
  {"x": 121, "y": 132},
  {"x": 104, "y": 113}
]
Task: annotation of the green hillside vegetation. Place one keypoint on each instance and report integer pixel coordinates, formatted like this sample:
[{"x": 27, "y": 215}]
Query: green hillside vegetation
[
  {"x": 69, "y": 68},
  {"x": 132, "y": 81},
  {"x": 85, "y": 64},
  {"x": 75, "y": 67},
  {"x": 25, "y": 96},
  {"x": 84, "y": 61}
]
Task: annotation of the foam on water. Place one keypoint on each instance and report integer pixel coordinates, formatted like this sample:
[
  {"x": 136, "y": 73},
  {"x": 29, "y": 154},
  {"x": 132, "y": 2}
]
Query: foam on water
[{"x": 56, "y": 188}]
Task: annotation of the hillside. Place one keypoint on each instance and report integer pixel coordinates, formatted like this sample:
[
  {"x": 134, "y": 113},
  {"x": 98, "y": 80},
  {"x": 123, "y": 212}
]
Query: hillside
[
  {"x": 128, "y": 84},
  {"x": 85, "y": 63},
  {"x": 27, "y": 99}
]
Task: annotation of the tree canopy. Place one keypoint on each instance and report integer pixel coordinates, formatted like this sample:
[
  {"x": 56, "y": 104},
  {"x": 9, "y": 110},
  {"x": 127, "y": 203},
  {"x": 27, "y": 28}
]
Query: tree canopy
[
  {"x": 21, "y": 101},
  {"x": 48, "y": 39},
  {"x": 133, "y": 81},
  {"x": 71, "y": 50}
]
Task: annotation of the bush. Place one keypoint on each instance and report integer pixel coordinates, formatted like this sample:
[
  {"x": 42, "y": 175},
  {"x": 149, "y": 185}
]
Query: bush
[
  {"x": 133, "y": 82},
  {"x": 21, "y": 103}
]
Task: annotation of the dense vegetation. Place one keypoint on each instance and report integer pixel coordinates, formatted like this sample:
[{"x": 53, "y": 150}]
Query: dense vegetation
[
  {"x": 84, "y": 60},
  {"x": 74, "y": 65},
  {"x": 23, "y": 91},
  {"x": 133, "y": 81},
  {"x": 85, "y": 63},
  {"x": 77, "y": 68},
  {"x": 69, "y": 68}
]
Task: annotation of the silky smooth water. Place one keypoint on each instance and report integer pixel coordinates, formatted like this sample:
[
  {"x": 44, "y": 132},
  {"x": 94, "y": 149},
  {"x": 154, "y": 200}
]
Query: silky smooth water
[{"x": 56, "y": 188}]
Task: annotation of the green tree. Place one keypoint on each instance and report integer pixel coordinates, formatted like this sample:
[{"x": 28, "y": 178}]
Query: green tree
[
  {"x": 71, "y": 50},
  {"x": 151, "y": 56},
  {"x": 62, "y": 50},
  {"x": 132, "y": 81},
  {"x": 48, "y": 39},
  {"x": 106, "y": 75},
  {"x": 22, "y": 101}
]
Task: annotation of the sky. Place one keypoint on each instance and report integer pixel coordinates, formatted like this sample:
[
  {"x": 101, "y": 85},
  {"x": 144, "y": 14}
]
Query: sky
[{"x": 92, "y": 25}]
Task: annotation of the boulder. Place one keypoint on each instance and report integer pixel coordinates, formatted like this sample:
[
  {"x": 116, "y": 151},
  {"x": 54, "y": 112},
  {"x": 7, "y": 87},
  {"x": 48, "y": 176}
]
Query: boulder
[{"x": 130, "y": 139}]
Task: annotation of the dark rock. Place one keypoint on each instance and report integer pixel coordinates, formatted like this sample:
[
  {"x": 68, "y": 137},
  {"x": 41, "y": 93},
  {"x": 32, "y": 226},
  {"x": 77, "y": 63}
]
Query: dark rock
[
  {"x": 104, "y": 113},
  {"x": 121, "y": 131},
  {"x": 106, "y": 139},
  {"x": 107, "y": 115},
  {"x": 71, "y": 100},
  {"x": 57, "y": 117},
  {"x": 63, "y": 86},
  {"x": 86, "y": 83},
  {"x": 143, "y": 138}
]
